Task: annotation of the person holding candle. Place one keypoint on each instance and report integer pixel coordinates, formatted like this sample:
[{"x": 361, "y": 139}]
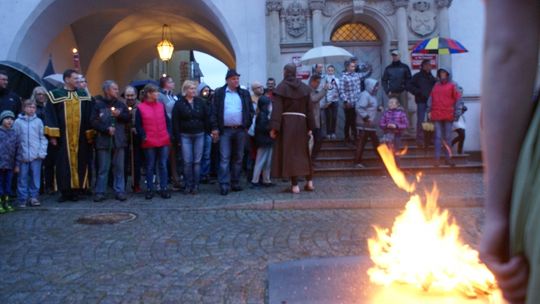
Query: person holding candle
[{"x": 109, "y": 118}]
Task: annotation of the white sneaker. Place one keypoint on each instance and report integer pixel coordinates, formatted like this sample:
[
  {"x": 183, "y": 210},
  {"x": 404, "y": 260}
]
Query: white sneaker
[{"x": 34, "y": 202}]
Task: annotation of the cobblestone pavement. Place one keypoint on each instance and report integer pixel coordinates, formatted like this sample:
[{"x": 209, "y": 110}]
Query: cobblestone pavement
[{"x": 194, "y": 249}]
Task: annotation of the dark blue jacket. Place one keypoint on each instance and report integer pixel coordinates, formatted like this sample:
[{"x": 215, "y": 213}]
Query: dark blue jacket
[
  {"x": 8, "y": 148},
  {"x": 262, "y": 123}
]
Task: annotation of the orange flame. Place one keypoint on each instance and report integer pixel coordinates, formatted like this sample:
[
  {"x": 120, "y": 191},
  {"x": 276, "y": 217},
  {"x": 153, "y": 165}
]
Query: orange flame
[{"x": 423, "y": 248}]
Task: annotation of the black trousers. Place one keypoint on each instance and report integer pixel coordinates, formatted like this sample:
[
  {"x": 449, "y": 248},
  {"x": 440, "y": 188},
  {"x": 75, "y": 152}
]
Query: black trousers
[
  {"x": 317, "y": 143},
  {"x": 361, "y": 140},
  {"x": 330, "y": 114},
  {"x": 350, "y": 124},
  {"x": 459, "y": 139}
]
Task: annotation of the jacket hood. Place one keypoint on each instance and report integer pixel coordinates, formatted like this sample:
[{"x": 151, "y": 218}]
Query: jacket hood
[
  {"x": 370, "y": 84},
  {"x": 200, "y": 87},
  {"x": 26, "y": 117}
]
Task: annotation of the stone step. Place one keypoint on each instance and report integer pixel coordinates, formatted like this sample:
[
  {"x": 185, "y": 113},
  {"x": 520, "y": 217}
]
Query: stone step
[
  {"x": 349, "y": 150},
  {"x": 371, "y": 159},
  {"x": 469, "y": 167}
]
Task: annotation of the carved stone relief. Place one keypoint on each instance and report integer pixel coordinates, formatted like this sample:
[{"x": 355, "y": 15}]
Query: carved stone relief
[
  {"x": 295, "y": 20},
  {"x": 422, "y": 21}
]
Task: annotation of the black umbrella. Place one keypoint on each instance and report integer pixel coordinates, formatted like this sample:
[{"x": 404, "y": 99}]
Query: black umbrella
[
  {"x": 22, "y": 80},
  {"x": 139, "y": 84}
]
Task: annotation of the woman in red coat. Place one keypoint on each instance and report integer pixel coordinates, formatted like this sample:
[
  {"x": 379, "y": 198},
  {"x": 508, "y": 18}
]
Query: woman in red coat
[
  {"x": 441, "y": 109},
  {"x": 153, "y": 128}
]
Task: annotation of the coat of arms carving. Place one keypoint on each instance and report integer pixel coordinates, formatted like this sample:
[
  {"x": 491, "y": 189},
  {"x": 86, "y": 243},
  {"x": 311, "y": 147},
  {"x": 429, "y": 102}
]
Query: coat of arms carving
[
  {"x": 422, "y": 21},
  {"x": 296, "y": 20}
]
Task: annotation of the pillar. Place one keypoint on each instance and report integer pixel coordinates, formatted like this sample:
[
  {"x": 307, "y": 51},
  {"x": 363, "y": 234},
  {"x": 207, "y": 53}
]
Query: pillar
[
  {"x": 273, "y": 38},
  {"x": 445, "y": 61},
  {"x": 402, "y": 29},
  {"x": 317, "y": 7}
]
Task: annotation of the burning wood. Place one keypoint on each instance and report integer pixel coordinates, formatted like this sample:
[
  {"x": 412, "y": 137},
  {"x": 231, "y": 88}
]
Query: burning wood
[{"x": 423, "y": 248}]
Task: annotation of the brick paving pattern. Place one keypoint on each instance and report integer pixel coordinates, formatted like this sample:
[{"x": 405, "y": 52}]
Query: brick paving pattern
[{"x": 195, "y": 249}]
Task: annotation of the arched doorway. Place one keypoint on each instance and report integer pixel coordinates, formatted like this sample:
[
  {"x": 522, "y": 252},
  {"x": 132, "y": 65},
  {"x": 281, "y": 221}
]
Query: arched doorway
[{"x": 116, "y": 38}]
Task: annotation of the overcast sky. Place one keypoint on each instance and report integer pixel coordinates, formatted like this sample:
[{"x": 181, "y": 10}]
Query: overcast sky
[{"x": 213, "y": 70}]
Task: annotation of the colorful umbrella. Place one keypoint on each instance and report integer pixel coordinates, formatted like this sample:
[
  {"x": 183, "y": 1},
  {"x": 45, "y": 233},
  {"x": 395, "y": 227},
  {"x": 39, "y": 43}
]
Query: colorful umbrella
[{"x": 439, "y": 45}]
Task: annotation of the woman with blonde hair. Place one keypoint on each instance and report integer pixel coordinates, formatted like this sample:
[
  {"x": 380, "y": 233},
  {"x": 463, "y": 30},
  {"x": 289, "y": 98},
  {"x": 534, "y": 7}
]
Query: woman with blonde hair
[{"x": 191, "y": 118}]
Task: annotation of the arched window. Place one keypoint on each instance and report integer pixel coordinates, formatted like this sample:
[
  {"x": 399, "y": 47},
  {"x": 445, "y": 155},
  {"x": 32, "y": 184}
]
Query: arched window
[{"x": 354, "y": 32}]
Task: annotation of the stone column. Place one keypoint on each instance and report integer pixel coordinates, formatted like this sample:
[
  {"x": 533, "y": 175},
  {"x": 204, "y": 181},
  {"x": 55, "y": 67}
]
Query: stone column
[
  {"x": 273, "y": 7},
  {"x": 445, "y": 61},
  {"x": 317, "y": 7},
  {"x": 402, "y": 29}
]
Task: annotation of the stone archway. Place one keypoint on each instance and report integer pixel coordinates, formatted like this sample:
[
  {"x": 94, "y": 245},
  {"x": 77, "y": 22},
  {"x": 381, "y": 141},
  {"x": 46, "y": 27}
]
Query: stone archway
[{"x": 118, "y": 37}]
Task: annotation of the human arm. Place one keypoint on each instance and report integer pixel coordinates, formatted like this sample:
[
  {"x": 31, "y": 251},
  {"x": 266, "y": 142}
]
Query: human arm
[
  {"x": 123, "y": 115},
  {"x": 43, "y": 142},
  {"x": 139, "y": 126},
  {"x": 384, "y": 80},
  {"x": 511, "y": 48}
]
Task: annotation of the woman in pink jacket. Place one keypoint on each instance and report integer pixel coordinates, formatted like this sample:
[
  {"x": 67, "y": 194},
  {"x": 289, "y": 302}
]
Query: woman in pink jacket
[
  {"x": 441, "y": 109},
  {"x": 153, "y": 128}
]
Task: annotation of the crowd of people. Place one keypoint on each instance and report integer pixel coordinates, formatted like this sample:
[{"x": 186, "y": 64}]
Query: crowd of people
[{"x": 69, "y": 141}]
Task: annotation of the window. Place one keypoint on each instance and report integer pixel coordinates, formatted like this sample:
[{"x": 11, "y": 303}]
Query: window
[{"x": 354, "y": 32}]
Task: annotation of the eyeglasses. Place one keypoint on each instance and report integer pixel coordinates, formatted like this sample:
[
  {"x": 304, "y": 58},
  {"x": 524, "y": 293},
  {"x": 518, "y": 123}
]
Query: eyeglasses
[
  {"x": 130, "y": 95},
  {"x": 40, "y": 94}
]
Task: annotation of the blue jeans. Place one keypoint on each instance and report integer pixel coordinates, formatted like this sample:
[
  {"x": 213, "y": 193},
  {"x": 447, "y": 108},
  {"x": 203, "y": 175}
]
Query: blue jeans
[
  {"x": 420, "y": 116},
  {"x": 206, "y": 156},
  {"x": 103, "y": 167},
  {"x": 29, "y": 180},
  {"x": 231, "y": 153},
  {"x": 160, "y": 155},
  {"x": 443, "y": 136},
  {"x": 6, "y": 176},
  {"x": 192, "y": 152}
]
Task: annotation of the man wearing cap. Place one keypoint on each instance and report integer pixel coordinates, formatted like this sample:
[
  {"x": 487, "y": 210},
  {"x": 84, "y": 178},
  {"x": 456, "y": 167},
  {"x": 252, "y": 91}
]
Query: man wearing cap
[
  {"x": 394, "y": 81},
  {"x": 233, "y": 110}
]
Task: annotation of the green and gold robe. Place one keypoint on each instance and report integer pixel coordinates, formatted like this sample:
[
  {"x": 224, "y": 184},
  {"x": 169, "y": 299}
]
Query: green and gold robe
[{"x": 71, "y": 124}]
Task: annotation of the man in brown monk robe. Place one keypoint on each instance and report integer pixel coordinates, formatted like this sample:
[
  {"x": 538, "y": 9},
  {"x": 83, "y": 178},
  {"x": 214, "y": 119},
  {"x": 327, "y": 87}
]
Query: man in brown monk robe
[{"x": 291, "y": 124}]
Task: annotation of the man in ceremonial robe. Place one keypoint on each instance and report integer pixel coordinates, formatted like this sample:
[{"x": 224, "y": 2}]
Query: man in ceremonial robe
[{"x": 71, "y": 123}]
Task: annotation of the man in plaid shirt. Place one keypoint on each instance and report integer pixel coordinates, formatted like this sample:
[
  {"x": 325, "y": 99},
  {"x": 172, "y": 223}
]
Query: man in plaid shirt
[{"x": 350, "y": 93}]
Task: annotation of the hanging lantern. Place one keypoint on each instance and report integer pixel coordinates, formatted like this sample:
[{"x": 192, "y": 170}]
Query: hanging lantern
[{"x": 165, "y": 47}]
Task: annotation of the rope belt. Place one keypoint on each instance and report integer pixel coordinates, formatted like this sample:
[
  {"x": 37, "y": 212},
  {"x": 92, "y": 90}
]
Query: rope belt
[{"x": 294, "y": 113}]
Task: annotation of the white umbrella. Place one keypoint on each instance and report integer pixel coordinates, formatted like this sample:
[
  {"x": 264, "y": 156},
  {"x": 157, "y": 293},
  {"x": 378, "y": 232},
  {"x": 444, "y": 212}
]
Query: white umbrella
[
  {"x": 324, "y": 53},
  {"x": 56, "y": 80}
]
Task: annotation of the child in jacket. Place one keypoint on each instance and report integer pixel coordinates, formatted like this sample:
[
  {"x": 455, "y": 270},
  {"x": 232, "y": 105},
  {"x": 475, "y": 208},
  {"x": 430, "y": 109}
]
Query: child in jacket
[
  {"x": 32, "y": 151},
  {"x": 8, "y": 154},
  {"x": 393, "y": 122}
]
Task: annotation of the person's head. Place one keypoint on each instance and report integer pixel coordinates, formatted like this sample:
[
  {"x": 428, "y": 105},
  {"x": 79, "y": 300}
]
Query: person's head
[
  {"x": 289, "y": 71},
  {"x": 39, "y": 95},
  {"x": 71, "y": 78},
  {"x": 270, "y": 83},
  {"x": 166, "y": 83},
  {"x": 257, "y": 88},
  {"x": 330, "y": 70},
  {"x": 393, "y": 103},
  {"x": 110, "y": 90},
  {"x": 315, "y": 81},
  {"x": 395, "y": 55},
  {"x": 426, "y": 65},
  {"x": 4, "y": 79},
  {"x": 6, "y": 119},
  {"x": 203, "y": 90},
  {"x": 29, "y": 107},
  {"x": 233, "y": 79},
  {"x": 350, "y": 66},
  {"x": 151, "y": 92},
  {"x": 130, "y": 94},
  {"x": 372, "y": 86},
  {"x": 189, "y": 89},
  {"x": 354, "y": 59},
  {"x": 443, "y": 75},
  {"x": 318, "y": 68},
  {"x": 81, "y": 82}
]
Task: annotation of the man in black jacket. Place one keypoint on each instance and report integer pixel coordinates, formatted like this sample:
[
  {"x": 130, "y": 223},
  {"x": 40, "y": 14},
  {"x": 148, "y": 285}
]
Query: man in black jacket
[
  {"x": 420, "y": 86},
  {"x": 109, "y": 118},
  {"x": 9, "y": 101},
  {"x": 395, "y": 79},
  {"x": 233, "y": 111}
]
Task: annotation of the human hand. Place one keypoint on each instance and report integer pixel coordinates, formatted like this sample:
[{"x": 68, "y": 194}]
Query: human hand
[
  {"x": 53, "y": 141},
  {"x": 511, "y": 273},
  {"x": 273, "y": 134},
  {"x": 111, "y": 131},
  {"x": 391, "y": 126},
  {"x": 215, "y": 135},
  {"x": 310, "y": 133},
  {"x": 429, "y": 116},
  {"x": 115, "y": 112},
  {"x": 16, "y": 169}
]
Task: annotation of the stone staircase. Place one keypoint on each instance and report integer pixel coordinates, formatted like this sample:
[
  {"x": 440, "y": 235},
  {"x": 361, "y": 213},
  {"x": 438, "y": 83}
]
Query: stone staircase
[{"x": 337, "y": 159}]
